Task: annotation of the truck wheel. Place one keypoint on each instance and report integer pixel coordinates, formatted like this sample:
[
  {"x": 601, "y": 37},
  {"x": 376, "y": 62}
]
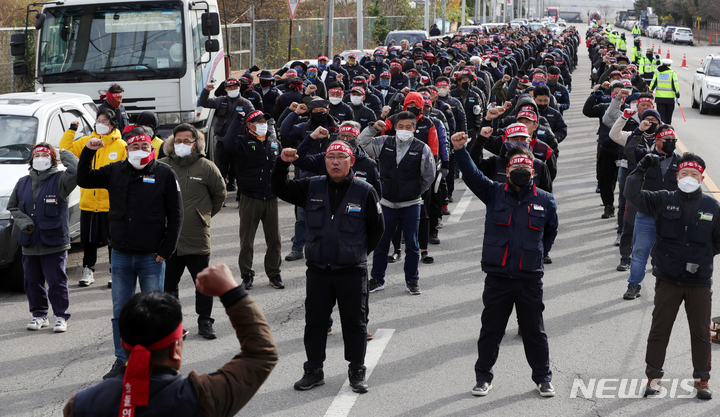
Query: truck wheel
[{"x": 15, "y": 274}]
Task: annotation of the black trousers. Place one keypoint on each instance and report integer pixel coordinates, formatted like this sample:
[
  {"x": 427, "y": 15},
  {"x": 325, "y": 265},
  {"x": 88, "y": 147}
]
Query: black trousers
[
  {"x": 499, "y": 296},
  {"x": 174, "y": 269},
  {"x": 224, "y": 161},
  {"x": 665, "y": 107},
  {"x": 607, "y": 175},
  {"x": 451, "y": 181},
  {"x": 350, "y": 292}
]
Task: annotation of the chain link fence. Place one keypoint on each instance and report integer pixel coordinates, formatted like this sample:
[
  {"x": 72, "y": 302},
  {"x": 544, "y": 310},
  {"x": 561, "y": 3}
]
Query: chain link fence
[{"x": 270, "y": 46}]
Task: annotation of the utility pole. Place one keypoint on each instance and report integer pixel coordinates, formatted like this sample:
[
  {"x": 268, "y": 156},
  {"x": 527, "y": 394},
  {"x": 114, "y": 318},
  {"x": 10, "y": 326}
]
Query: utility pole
[
  {"x": 329, "y": 17},
  {"x": 427, "y": 15},
  {"x": 360, "y": 24},
  {"x": 252, "y": 35},
  {"x": 444, "y": 5},
  {"x": 484, "y": 11},
  {"x": 462, "y": 13}
]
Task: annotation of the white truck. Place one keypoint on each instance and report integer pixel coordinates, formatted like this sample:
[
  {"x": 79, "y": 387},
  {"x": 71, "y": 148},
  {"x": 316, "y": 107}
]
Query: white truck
[{"x": 162, "y": 53}]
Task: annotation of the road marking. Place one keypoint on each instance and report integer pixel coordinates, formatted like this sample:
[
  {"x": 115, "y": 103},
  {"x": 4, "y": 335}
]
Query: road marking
[
  {"x": 461, "y": 207},
  {"x": 345, "y": 399},
  {"x": 709, "y": 183}
]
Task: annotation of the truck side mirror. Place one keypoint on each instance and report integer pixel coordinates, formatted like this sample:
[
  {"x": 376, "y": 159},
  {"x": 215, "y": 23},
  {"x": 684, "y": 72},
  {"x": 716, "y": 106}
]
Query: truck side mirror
[
  {"x": 210, "y": 24},
  {"x": 39, "y": 20},
  {"x": 17, "y": 44},
  {"x": 19, "y": 68},
  {"x": 212, "y": 45}
]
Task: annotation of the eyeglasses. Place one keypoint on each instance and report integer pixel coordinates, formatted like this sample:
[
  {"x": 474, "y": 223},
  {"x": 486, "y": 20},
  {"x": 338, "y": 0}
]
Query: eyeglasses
[
  {"x": 337, "y": 157},
  {"x": 105, "y": 122},
  {"x": 186, "y": 141},
  {"x": 346, "y": 136}
]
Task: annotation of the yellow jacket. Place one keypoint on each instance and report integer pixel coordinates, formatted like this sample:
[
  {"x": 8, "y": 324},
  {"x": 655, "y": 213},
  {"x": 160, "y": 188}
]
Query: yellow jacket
[
  {"x": 156, "y": 144},
  {"x": 113, "y": 150}
]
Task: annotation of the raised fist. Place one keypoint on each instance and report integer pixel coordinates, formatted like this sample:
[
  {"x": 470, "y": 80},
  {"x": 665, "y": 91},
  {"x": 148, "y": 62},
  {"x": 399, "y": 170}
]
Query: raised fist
[
  {"x": 95, "y": 144},
  {"x": 459, "y": 139},
  {"x": 379, "y": 126},
  {"x": 320, "y": 132},
  {"x": 301, "y": 109},
  {"x": 289, "y": 155}
]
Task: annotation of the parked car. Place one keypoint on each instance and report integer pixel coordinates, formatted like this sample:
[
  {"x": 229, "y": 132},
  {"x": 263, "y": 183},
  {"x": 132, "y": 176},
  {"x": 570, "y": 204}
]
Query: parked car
[
  {"x": 706, "y": 85},
  {"x": 412, "y": 36},
  {"x": 536, "y": 26},
  {"x": 469, "y": 29},
  {"x": 682, "y": 35},
  {"x": 26, "y": 119},
  {"x": 667, "y": 35},
  {"x": 653, "y": 31}
]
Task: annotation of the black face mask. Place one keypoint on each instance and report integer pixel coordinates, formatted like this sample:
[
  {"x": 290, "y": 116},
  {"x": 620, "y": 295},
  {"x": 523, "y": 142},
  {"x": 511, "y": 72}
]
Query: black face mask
[
  {"x": 542, "y": 107},
  {"x": 520, "y": 177},
  {"x": 652, "y": 128},
  {"x": 415, "y": 111},
  {"x": 465, "y": 85},
  {"x": 319, "y": 118},
  {"x": 352, "y": 143},
  {"x": 668, "y": 147}
]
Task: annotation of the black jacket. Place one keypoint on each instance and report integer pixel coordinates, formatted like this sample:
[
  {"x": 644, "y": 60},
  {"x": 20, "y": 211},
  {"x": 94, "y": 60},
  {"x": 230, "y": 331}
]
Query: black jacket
[{"x": 146, "y": 210}]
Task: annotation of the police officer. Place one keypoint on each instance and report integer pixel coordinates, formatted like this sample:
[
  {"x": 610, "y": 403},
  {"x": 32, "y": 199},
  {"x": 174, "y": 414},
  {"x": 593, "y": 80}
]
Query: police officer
[
  {"x": 344, "y": 224},
  {"x": 646, "y": 66},
  {"x": 687, "y": 238},
  {"x": 521, "y": 223},
  {"x": 667, "y": 90}
]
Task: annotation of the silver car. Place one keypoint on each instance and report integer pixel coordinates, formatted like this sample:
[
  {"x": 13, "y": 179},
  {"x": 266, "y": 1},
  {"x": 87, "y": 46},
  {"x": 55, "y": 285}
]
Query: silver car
[{"x": 26, "y": 119}]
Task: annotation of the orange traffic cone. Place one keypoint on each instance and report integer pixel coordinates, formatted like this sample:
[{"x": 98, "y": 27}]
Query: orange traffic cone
[
  {"x": 668, "y": 54},
  {"x": 659, "y": 49},
  {"x": 684, "y": 63}
]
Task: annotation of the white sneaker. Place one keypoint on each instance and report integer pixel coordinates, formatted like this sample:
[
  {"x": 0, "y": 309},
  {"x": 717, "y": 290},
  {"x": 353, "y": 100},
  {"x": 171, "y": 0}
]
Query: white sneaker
[
  {"x": 88, "y": 277},
  {"x": 60, "y": 325},
  {"x": 38, "y": 323}
]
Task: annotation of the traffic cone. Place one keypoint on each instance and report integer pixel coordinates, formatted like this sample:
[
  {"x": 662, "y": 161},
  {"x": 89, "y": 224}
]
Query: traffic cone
[
  {"x": 684, "y": 63},
  {"x": 668, "y": 54},
  {"x": 659, "y": 49}
]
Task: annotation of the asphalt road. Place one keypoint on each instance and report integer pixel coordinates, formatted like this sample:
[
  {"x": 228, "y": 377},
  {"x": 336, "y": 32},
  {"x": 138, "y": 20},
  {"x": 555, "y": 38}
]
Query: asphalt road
[{"x": 425, "y": 347}]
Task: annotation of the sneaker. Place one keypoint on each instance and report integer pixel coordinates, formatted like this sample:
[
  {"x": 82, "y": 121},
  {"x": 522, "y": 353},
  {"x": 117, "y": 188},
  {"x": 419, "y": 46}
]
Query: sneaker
[
  {"x": 434, "y": 240},
  {"x": 374, "y": 285},
  {"x": 412, "y": 288},
  {"x": 546, "y": 389},
  {"x": 425, "y": 258},
  {"x": 547, "y": 259},
  {"x": 703, "y": 391},
  {"x": 624, "y": 265},
  {"x": 394, "y": 257},
  {"x": 276, "y": 282},
  {"x": 115, "y": 370},
  {"x": 481, "y": 389},
  {"x": 60, "y": 325},
  {"x": 617, "y": 240},
  {"x": 38, "y": 323},
  {"x": 248, "y": 280},
  {"x": 439, "y": 226},
  {"x": 632, "y": 292},
  {"x": 110, "y": 283},
  {"x": 205, "y": 329},
  {"x": 450, "y": 198},
  {"x": 369, "y": 335},
  {"x": 652, "y": 388},
  {"x": 311, "y": 378},
  {"x": 445, "y": 211},
  {"x": 231, "y": 187},
  {"x": 88, "y": 277},
  {"x": 329, "y": 330},
  {"x": 357, "y": 381},
  {"x": 609, "y": 212},
  {"x": 294, "y": 255}
]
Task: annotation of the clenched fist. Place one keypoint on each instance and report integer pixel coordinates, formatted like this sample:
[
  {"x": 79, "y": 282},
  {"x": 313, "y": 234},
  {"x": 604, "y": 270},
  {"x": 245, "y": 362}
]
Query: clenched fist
[
  {"x": 215, "y": 280},
  {"x": 289, "y": 155},
  {"x": 379, "y": 126},
  {"x": 320, "y": 132},
  {"x": 459, "y": 139},
  {"x": 95, "y": 144}
]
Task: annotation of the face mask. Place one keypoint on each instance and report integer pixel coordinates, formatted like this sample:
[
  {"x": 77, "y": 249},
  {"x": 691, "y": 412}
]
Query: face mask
[
  {"x": 233, "y": 93},
  {"x": 299, "y": 71},
  {"x": 426, "y": 112},
  {"x": 418, "y": 67},
  {"x": 322, "y": 67},
  {"x": 265, "y": 83},
  {"x": 538, "y": 83},
  {"x": 335, "y": 100},
  {"x": 351, "y": 63},
  {"x": 352, "y": 143},
  {"x": 510, "y": 145},
  {"x": 395, "y": 71},
  {"x": 384, "y": 83},
  {"x": 542, "y": 107},
  {"x": 668, "y": 147},
  {"x": 356, "y": 100},
  {"x": 183, "y": 150},
  {"x": 552, "y": 83},
  {"x": 493, "y": 64},
  {"x": 442, "y": 92},
  {"x": 415, "y": 111},
  {"x": 652, "y": 128},
  {"x": 520, "y": 177},
  {"x": 335, "y": 64},
  {"x": 244, "y": 87},
  {"x": 41, "y": 164},
  {"x": 102, "y": 129},
  {"x": 261, "y": 129},
  {"x": 688, "y": 184},
  {"x": 404, "y": 135},
  {"x": 312, "y": 75},
  {"x": 138, "y": 159},
  {"x": 319, "y": 118},
  {"x": 465, "y": 85}
]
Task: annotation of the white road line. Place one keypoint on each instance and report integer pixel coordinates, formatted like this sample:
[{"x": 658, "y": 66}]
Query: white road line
[
  {"x": 345, "y": 399},
  {"x": 461, "y": 207}
]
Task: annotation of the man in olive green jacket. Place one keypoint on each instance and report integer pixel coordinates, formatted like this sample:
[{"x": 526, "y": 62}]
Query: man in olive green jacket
[{"x": 203, "y": 194}]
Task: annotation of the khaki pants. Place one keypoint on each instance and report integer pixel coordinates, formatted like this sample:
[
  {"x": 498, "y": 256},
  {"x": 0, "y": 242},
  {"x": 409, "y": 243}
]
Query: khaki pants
[
  {"x": 698, "y": 303},
  {"x": 252, "y": 211}
]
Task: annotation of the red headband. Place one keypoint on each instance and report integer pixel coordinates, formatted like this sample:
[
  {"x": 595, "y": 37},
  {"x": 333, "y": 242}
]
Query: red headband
[
  {"x": 516, "y": 129},
  {"x": 538, "y": 76},
  {"x": 358, "y": 89},
  {"x": 349, "y": 129},
  {"x": 41, "y": 149},
  {"x": 255, "y": 114},
  {"x": 231, "y": 81},
  {"x": 139, "y": 138},
  {"x": 528, "y": 115},
  {"x": 520, "y": 160},
  {"x": 691, "y": 164},
  {"x": 339, "y": 147},
  {"x": 441, "y": 84},
  {"x": 114, "y": 95},
  {"x": 136, "y": 382},
  {"x": 646, "y": 100},
  {"x": 336, "y": 91},
  {"x": 385, "y": 74},
  {"x": 323, "y": 58},
  {"x": 664, "y": 133},
  {"x": 395, "y": 65}
]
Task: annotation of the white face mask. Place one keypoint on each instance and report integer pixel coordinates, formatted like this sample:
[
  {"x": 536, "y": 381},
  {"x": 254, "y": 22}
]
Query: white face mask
[
  {"x": 261, "y": 129},
  {"x": 102, "y": 129},
  {"x": 356, "y": 100},
  {"x": 335, "y": 100},
  {"x": 688, "y": 184},
  {"x": 183, "y": 150},
  {"x": 233, "y": 93},
  {"x": 41, "y": 164},
  {"x": 135, "y": 158},
  {"x": 404, "y": 135},
  {"x": 442, "y": 92}
]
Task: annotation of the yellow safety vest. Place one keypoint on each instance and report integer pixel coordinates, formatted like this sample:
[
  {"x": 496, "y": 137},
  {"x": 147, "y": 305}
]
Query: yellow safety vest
[
  {"x": 665, "y": 84},
  {"x": 635, "y": 54},
  {"x": 645, "y": 65},
  {"x": 636, "y": 30},
  {"x": 621, "y": 44}
]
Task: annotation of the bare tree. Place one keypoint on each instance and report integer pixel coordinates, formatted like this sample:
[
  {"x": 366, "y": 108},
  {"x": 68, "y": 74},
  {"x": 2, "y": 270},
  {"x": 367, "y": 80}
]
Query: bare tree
[{"x": 606, "y": 11}]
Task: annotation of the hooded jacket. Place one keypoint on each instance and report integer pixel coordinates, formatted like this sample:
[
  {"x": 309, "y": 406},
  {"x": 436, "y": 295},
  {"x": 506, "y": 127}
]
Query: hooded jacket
[{"x": 425, "y": 130}]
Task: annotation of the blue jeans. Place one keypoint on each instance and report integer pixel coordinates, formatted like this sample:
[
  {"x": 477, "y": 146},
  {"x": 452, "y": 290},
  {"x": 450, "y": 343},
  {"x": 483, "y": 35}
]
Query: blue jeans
[
  {"x": 409, "y": 220},
  {"x": 299, "y": 238},
  {"x": 643, "y": 240},
  {"x": 127, "y": 270}
]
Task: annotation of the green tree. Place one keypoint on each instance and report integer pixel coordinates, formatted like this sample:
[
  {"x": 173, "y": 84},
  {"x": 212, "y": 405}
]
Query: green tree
[{"x": 381, "y": 26}]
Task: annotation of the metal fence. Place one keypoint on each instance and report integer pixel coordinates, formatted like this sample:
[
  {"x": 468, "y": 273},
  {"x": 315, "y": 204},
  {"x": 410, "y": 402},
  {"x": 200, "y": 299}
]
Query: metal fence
[
  {"x": 270, "y": 49},
  {"x": 710, "y": 33}
]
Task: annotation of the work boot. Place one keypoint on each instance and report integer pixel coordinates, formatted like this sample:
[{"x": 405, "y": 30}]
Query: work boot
[
  {"x": 609, "y": 212},
  {"x": 703, "y": 390},
  {"x": 248, "y": 280},
  {"x": 294, "y": 255},
  {"x": 205, "y": 329},
  {"x": 632, "y": 292},
  {"x": 311, "y": 378},
  {"x": 357, "y": 381},
  {"x": 624, "y": 265}
]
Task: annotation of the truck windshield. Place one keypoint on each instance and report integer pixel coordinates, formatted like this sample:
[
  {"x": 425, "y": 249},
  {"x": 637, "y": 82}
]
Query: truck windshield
[
  {"x": 124, "y": 41},
  {"x": 18, "y": 138}
]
